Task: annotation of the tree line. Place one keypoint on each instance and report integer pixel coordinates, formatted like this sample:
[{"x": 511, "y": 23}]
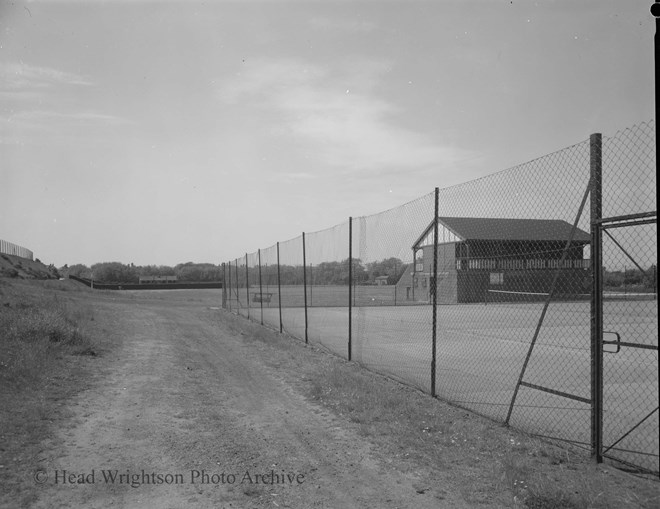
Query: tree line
[
  {"x": 117, "y": 272},
  {"x": 631, "y": 279},
  {"x": 324, "y": 273}
]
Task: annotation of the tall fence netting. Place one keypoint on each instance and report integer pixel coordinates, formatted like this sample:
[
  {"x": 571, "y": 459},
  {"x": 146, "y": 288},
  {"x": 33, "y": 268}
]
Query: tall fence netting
[
  {"x": 392, "y": 316},
  {"x": 292, "y": 288},
  {"x": 489, "y": 303},
  {"x": 326, "y": 256},
  {"x": 630, "y": 311}
]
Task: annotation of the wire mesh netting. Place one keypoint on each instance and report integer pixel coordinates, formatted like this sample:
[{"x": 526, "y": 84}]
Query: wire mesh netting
[
  {"x": 630, "y": 312},
  {"x": 391, "y": 326},
  {"x": 327, "y": 259},
  {"x": 235, "y": 298},
  {"x": 489, "y": 303},
  {"x": 629, "y": 171},
  {"x": 513, "y": 256},
  {"x": 253, "y": 292},
  {"x": 269, "y": 295},
  {"x": 292, "y": 295}
]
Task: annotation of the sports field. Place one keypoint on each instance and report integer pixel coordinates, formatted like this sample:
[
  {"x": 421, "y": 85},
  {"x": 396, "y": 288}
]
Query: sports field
[{"x": 481, "y": 351}]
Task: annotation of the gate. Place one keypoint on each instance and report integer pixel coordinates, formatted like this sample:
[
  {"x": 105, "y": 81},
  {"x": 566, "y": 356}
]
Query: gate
[{"x": 625, "y": 409}]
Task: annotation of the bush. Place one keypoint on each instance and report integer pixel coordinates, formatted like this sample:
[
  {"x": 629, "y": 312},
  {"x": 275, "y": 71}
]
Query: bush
[{"x": 10, "y": 272}]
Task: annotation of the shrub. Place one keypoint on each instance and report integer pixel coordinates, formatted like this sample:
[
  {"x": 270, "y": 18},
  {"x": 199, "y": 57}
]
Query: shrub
[{"x": 9, "y": 272}]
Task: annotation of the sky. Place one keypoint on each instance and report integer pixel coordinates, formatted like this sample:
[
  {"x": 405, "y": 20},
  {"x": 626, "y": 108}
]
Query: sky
[{"x": 157, "y": 133}]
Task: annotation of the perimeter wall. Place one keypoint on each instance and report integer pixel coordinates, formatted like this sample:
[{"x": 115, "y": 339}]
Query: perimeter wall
[{"x": 15, "y": 249}]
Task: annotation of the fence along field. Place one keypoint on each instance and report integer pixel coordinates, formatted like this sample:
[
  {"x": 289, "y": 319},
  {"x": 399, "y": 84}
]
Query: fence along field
[
  {"x": 528, "y": 296},
  {"x": 15, "y": 250}
]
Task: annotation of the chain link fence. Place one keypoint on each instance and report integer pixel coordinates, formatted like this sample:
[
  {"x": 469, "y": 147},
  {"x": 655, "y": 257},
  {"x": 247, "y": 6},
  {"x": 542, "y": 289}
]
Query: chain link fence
[
  {"x": 527, "y": 296},
  {"x": 627, "y": 231}
]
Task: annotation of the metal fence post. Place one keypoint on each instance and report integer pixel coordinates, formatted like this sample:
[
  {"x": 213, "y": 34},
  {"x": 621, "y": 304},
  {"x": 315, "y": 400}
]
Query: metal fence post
[
  {"x": 261, "y": 296},
  {"x": 305, "y": 284},
  {"x": 596, "y": 169},
  {"x": 224, "y": 287},
  {"x": 238, "y": 301},
  {"x": 279, "y": 287},
  {"x": 350, "y": 287},
  {"x": 247, "y": 285},
  {"x": 229, "y": 278},
  {"x": 434, "y": 292}
]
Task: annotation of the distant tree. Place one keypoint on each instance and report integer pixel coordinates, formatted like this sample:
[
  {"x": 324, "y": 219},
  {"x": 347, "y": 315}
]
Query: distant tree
[
  {"x": 393, "y": 268},
  {"x": 198, "y": 272},
  {"x": 78, "y": 270},
  {"x": 53, "y": 271},
  {"x": 155, "y": 270},
  {"x": 114, "y": 272},
  {"x": 651, "y": 278},
  {"x": 289, "y": 274},
  {"x": 633, "y": 277},
  {"x": 326, "y": 273},
  {"x": 359, "y": 273}
]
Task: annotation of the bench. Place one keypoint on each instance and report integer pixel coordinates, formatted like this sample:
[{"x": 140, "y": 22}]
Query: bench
[{"x": 262, "y": 297}]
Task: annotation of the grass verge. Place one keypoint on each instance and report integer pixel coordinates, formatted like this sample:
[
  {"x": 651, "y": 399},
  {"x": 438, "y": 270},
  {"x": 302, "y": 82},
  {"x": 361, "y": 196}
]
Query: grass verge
[{"x": 43, "y": 341}]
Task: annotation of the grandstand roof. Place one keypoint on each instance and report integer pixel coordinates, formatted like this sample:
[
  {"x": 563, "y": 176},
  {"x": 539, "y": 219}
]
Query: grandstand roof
[{"x": 457, "y": 229}]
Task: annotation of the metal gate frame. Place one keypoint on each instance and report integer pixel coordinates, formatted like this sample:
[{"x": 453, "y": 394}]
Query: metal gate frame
[{"x": 600, "y": 226}]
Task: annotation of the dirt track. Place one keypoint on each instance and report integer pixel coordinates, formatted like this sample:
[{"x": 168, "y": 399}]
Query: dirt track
[{"x": 185, "y": 401}]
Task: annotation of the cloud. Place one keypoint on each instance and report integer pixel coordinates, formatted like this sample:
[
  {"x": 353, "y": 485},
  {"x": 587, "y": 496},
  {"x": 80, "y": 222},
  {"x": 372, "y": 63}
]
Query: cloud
[
  {"x": 53, "y": 126},
  {"x": 291, "y": 176},
  {"x": 24, "y": 86},
  {"x": 21, "y": 77},
  {"x": 337, "y": 113},
  {"x": 39, "y": 117},
  {"x": 345, "y": 25}
]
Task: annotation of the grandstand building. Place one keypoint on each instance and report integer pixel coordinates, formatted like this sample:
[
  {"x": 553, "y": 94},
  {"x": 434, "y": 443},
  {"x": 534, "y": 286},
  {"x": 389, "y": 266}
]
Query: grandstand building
[{"x": 482, "y": 259}]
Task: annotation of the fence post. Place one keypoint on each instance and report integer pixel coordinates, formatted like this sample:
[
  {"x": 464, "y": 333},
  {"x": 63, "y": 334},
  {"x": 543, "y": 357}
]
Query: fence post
[
  {"x": 350, "y": 287},
  {"x": 434, "y": 292},
  {"x": 224, "y": 287},
  {"x": 305, "y": 283},
  {"x": 261, "y": 295},
  {"x": 279, "y": 286},
  {"x": 596, "y": 170},
  {"x": 229, "y": 278},
  {"x": 247, "y": 285},
  {"x": 238, "y": 300},
  {"x": 236, "y": 285}
]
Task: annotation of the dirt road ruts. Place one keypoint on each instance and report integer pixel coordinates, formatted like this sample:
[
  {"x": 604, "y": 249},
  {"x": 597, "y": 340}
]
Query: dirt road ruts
[{"x": 187, "y": 411}]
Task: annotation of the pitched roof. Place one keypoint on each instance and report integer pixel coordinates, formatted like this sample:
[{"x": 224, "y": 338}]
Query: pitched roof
[{"x": 480, "y": 228}]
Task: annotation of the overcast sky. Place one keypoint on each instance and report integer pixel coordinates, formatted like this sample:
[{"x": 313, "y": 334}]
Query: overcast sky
[{"x": 158, "y": 133}]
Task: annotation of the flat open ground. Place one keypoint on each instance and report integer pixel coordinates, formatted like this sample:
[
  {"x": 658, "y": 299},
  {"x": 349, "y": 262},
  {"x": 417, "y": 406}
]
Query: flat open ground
[
  {"x": 481, "y": 350},
  {"x": 182, "y": 395},
  {"x": 181, "y": 392}
]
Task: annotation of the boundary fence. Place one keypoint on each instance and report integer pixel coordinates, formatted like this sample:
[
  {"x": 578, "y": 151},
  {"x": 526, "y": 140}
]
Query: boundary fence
[
  {"x": 145, "y": 286},
  {"x": 528, "y": 296},
  {"x": 15, "y": 250}
]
